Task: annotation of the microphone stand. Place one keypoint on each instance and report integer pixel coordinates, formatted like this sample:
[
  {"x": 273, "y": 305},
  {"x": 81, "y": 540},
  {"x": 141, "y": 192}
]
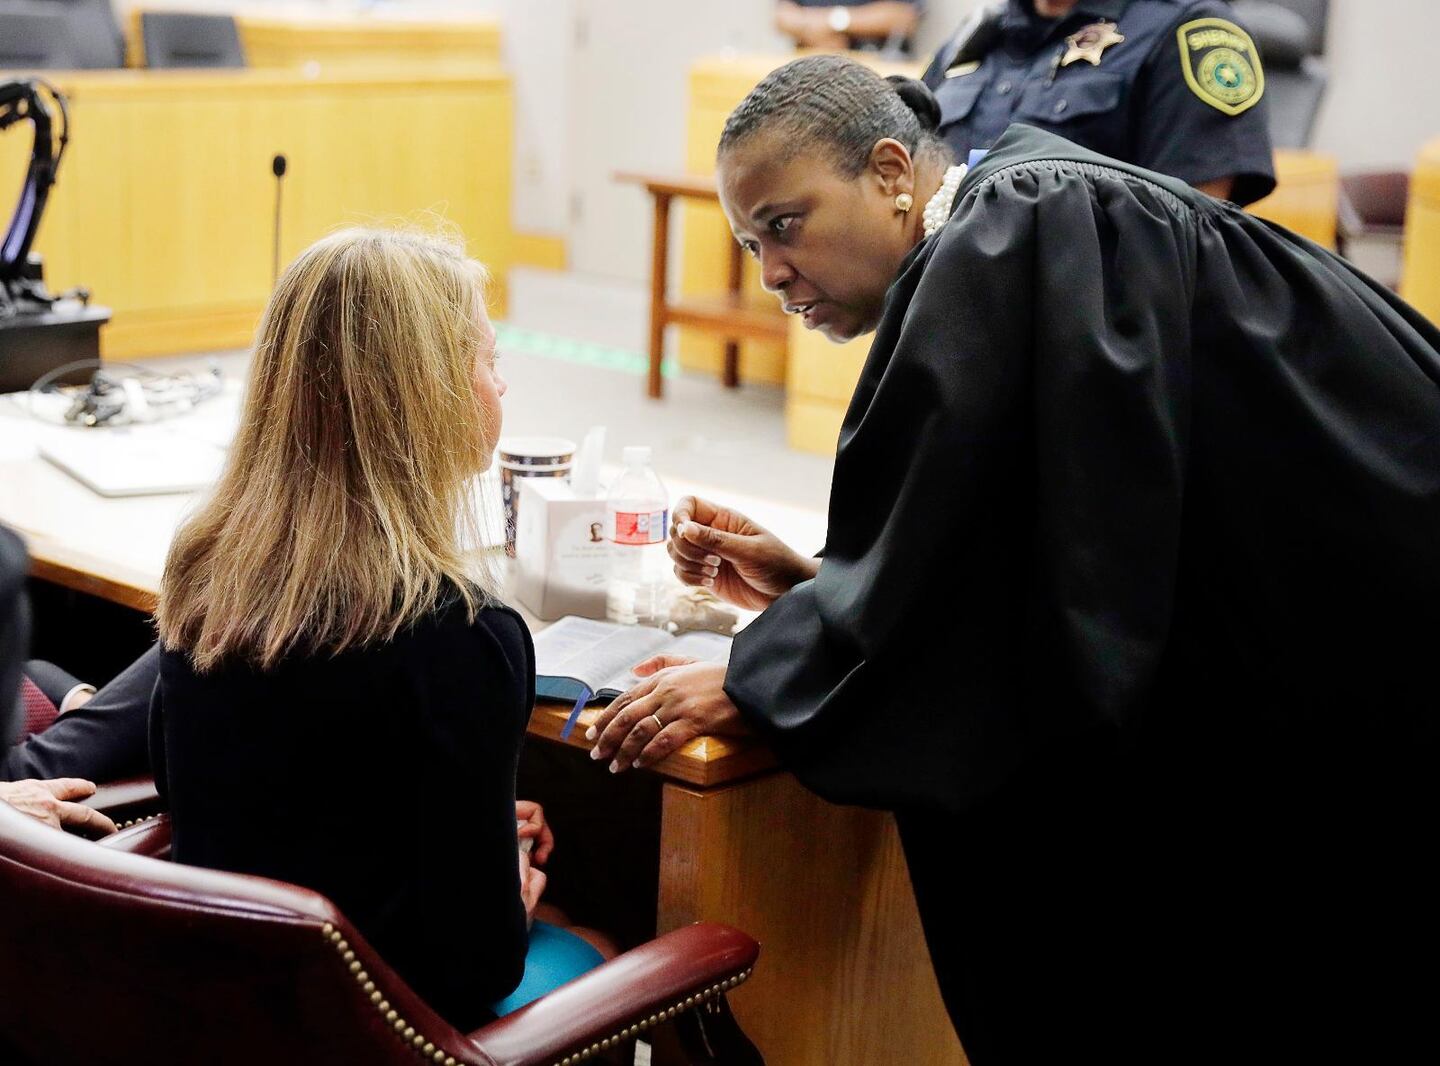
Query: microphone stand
[{"x": 278, "y": 166}]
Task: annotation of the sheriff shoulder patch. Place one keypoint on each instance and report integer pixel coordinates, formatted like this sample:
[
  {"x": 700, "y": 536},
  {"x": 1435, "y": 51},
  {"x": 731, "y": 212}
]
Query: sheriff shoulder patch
[{"x": 1220, "y": 65}]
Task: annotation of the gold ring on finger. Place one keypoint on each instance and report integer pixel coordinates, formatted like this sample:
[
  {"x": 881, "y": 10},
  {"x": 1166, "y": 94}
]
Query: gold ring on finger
[{"x": 659, "y": 725}]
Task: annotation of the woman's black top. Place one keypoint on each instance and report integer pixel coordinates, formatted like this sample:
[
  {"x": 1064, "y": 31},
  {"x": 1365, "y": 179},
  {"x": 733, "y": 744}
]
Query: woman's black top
[{"x": 382, "y": 777}]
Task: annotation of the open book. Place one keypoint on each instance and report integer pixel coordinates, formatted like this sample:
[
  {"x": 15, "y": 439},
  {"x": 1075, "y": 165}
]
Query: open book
[{"x": 580, "y": 657}]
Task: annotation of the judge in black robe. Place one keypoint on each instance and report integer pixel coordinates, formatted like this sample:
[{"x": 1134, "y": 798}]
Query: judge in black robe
[{"x": 1130, "y": 610}]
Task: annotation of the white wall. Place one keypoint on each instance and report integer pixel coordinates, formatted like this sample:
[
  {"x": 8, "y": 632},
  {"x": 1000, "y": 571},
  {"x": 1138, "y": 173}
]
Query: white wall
[{"x": 1383, "y": 101}]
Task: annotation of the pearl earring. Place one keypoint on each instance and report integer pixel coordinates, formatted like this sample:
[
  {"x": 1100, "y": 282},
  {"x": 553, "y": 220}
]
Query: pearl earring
[{"x": 904, "y": 202}]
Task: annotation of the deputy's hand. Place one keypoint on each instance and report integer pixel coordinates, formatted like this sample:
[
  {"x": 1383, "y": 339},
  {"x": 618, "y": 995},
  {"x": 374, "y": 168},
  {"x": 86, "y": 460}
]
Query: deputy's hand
[
  {"x": 723, "y": 550},
  {"x": 531, "y": 825},
  {"x": 52, "y": 803},
  {"x": 678, "y": 701}
]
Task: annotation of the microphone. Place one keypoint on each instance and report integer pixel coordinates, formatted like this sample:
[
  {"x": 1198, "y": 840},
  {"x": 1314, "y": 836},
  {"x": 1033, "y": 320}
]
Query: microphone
[{"x": 278, "y": 166}]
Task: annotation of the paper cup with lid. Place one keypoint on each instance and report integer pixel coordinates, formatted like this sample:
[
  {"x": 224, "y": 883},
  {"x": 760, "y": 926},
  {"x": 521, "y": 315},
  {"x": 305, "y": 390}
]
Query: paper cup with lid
[{"x": 528, "y": 457}]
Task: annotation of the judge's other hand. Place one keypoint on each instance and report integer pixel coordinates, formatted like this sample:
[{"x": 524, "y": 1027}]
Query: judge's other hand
[
  {"x": 530, "y": 824},
  {"x": 678, "y": 700},
  {"x": 742, "y": 562},
  {"x": 51, "y": 802}
]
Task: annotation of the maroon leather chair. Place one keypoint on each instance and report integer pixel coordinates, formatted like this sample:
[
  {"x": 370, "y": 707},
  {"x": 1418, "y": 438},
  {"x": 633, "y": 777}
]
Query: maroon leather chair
[{"x": 110, "y": 957}]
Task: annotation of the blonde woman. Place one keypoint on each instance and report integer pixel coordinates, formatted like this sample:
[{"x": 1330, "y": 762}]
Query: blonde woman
[{"x": 325, "y": 636}]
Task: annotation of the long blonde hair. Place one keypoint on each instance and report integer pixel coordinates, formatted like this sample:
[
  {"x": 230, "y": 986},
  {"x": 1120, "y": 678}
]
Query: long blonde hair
[{"x": 341, "y": 514}]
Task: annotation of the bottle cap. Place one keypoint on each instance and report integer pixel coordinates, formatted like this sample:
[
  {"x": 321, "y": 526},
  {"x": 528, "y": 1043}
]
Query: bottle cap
[{"x": 636, "y": 455}]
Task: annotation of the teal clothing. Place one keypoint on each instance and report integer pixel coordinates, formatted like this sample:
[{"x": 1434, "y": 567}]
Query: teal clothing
[{"x": 555, "y": 958}]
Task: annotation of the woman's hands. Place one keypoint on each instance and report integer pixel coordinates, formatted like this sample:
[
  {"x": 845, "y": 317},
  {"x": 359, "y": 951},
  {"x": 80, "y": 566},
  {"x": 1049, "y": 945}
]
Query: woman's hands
[
  {"x": 532, "y": 887},
  {"x": 537, "y": 841},
  {"x": 531, "y": 826},
  {"x": 680, "y": 699},
  {"x": 742, "y": 562}
]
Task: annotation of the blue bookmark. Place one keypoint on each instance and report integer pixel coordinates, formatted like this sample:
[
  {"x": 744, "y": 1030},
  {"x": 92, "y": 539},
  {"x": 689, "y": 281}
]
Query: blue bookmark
[{"x": 585, "y": 695}]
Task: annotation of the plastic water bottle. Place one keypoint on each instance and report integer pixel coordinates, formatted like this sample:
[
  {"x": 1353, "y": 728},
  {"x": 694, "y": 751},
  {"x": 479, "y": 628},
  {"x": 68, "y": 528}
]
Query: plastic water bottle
[{"x": 637, "y": 519}]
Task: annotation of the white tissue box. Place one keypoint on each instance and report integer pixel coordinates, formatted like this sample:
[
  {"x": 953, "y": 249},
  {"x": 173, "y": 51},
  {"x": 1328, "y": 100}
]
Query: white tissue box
[{"x": 561, "y": 556}]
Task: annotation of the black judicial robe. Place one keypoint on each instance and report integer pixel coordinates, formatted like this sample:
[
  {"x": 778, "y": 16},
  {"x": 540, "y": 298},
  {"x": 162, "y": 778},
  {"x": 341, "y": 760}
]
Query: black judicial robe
[{"x": 1134, "y": 537}]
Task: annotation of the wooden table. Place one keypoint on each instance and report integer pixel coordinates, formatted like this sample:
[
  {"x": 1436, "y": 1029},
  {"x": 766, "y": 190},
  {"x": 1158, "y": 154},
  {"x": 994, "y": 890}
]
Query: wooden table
[
  {"x": 844, "y": 978},
  {"x": 730, "y": 313}
]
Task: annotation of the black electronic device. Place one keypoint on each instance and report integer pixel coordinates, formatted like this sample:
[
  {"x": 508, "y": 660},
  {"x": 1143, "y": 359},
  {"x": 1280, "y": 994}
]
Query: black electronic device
[{"x": 38, "y": 331}]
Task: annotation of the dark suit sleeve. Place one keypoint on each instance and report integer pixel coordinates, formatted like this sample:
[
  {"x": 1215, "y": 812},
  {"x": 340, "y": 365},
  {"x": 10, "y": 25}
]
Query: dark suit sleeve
[
  {"x": 1181, "y": 131},
  {"x": 1005, "y": 514},
  {"x": 14, "y": 632},
  {"x": 154, "y": 733},
  {"x": 103, "y": 741},
  {"x": 53, "y": 681}
]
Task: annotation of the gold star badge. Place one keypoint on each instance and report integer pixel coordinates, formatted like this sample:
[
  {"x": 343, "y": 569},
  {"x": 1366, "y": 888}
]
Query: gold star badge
[{"x": 1090, "y": 43}]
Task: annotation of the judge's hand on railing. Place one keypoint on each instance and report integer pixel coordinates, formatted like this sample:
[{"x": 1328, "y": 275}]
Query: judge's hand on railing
[
  {"x": 678, "y": 700},
  {"x": 745, "y": 564}
]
